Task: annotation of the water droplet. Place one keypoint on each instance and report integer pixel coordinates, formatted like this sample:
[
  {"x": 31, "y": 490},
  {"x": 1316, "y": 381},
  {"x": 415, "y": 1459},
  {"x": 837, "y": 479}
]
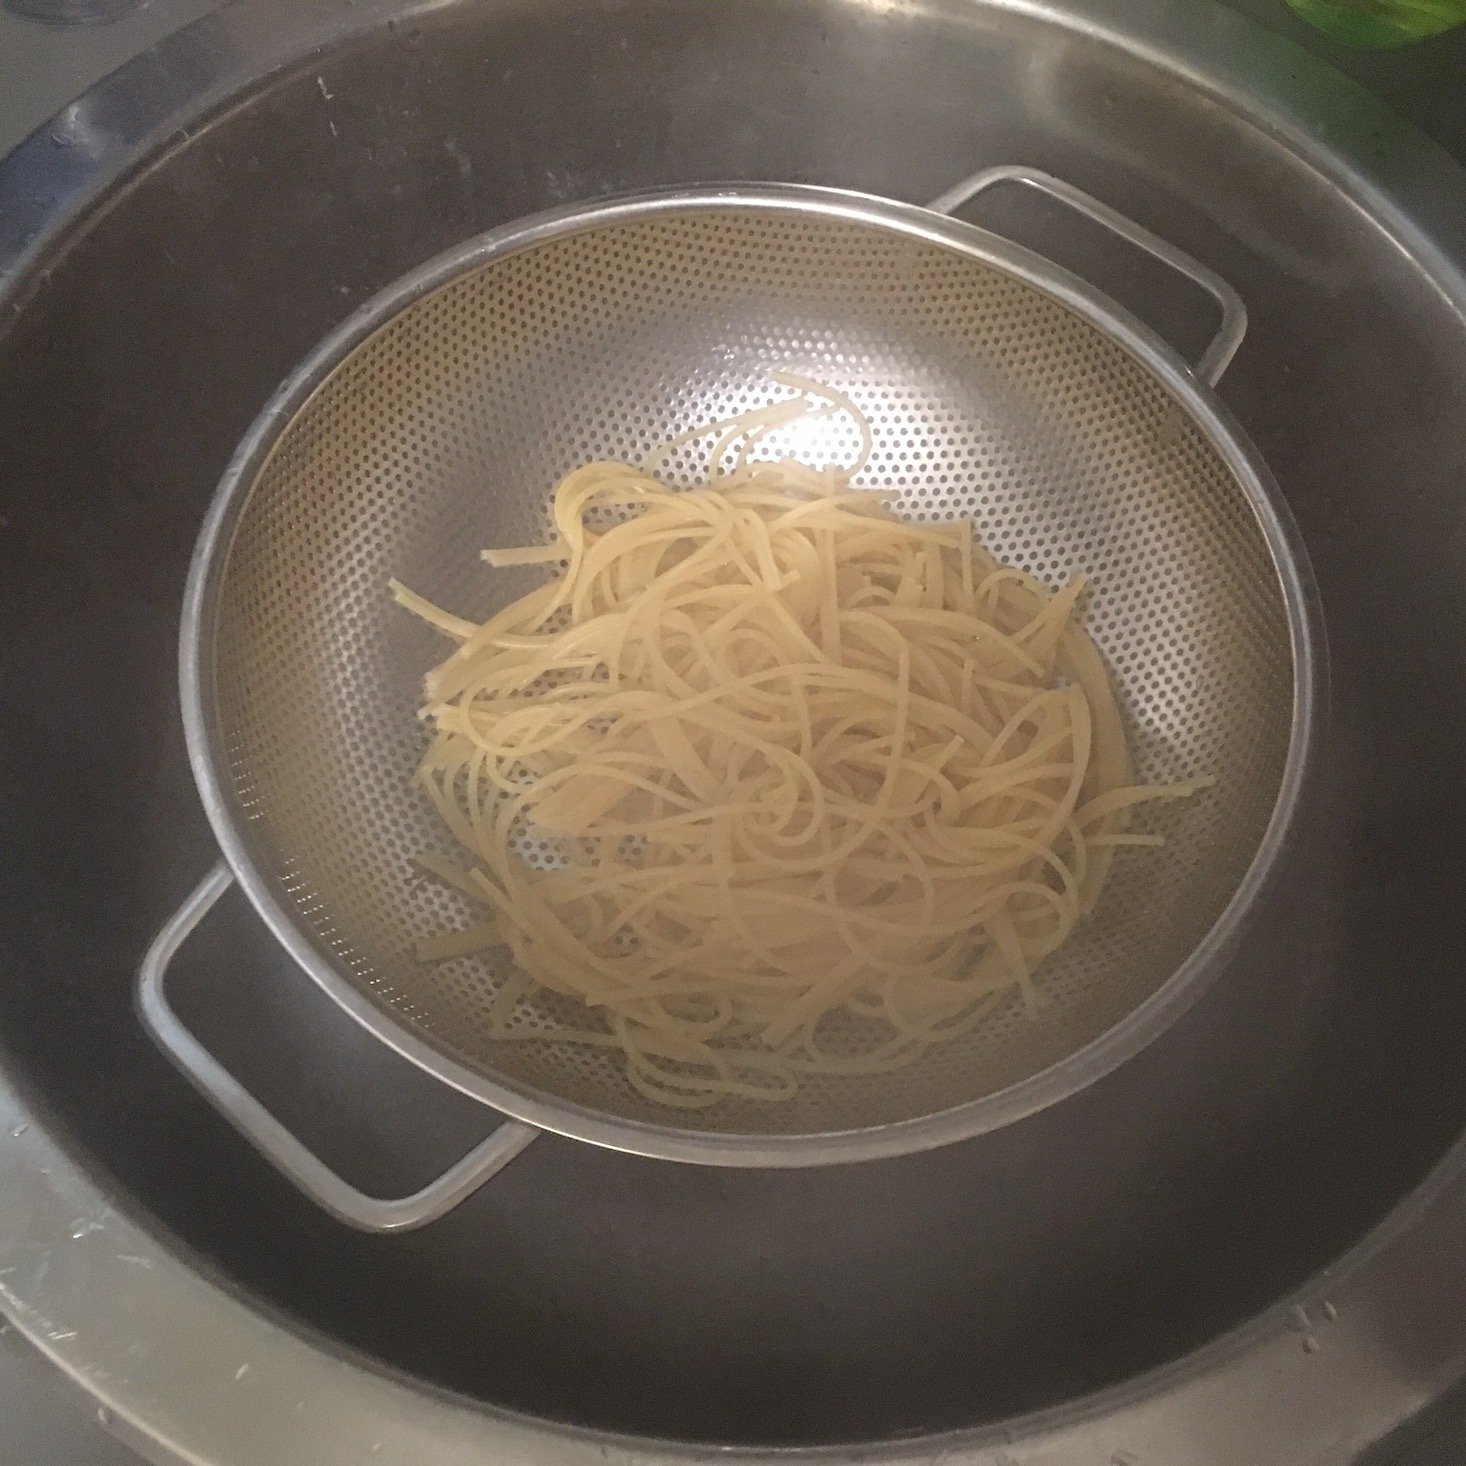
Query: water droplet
[
  {"x": 241, "y": 1371},
  {"x": 19, "y": 1130},
  {"x": 1310, "y": 1345},
  {"x": 1329, "y": 1311},
  {"x": 104, "y": 1415}
]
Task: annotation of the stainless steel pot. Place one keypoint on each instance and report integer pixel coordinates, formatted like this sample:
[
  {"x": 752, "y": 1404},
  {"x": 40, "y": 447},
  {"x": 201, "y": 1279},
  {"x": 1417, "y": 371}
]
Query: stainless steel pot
[{"x": 1122, "y": 1273}]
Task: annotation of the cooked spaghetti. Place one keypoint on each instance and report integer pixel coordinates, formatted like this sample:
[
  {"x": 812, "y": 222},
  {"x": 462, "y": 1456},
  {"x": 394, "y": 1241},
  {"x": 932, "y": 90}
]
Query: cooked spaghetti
[{"x": 806, "y": 771}]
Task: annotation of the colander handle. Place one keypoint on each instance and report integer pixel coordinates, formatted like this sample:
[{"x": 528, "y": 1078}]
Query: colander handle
[
  {"x": 1218, "y": 355},
  {"x": 268, "y": 1136}
]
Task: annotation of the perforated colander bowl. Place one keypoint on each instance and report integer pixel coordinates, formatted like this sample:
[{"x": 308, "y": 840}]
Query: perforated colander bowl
[{"x": 999, "y": 389}]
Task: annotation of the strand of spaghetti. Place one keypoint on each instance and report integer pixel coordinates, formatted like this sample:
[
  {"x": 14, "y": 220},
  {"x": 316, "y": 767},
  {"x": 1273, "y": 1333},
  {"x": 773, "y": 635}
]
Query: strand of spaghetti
[{"x": 820, "y": 789}]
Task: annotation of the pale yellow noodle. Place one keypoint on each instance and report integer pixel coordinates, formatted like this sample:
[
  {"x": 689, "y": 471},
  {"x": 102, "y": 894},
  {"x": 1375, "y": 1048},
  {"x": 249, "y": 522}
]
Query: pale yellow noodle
[{"x": 825, "y": 786}]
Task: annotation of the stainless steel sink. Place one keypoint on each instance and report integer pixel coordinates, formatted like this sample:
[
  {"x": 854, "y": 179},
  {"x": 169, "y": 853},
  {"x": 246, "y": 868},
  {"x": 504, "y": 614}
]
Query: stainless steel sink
[{"x": 1221, "y": 1254}]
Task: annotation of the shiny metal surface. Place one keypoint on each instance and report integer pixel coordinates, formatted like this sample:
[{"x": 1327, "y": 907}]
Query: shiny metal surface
[
  {"x": 187, "y": 1371},
  {"x": 1071, "y": 1265},
  {"x": 1232, "y": 309},
  {"x": 347, "y": 1203},
  {"x": 996, "y": 387},
  {"x": 74, "y": 12}
]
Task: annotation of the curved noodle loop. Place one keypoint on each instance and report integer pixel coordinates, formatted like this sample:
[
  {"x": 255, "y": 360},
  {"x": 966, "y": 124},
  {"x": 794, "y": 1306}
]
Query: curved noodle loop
[{"x": 806, "y": 769}]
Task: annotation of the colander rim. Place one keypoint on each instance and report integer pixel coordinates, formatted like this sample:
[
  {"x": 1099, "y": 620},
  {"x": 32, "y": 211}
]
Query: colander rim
[{"x": 1077, "y": 1070}]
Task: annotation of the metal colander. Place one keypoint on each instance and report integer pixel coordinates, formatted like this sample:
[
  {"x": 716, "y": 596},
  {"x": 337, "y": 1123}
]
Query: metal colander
[{"x": 438, "y": 422}]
